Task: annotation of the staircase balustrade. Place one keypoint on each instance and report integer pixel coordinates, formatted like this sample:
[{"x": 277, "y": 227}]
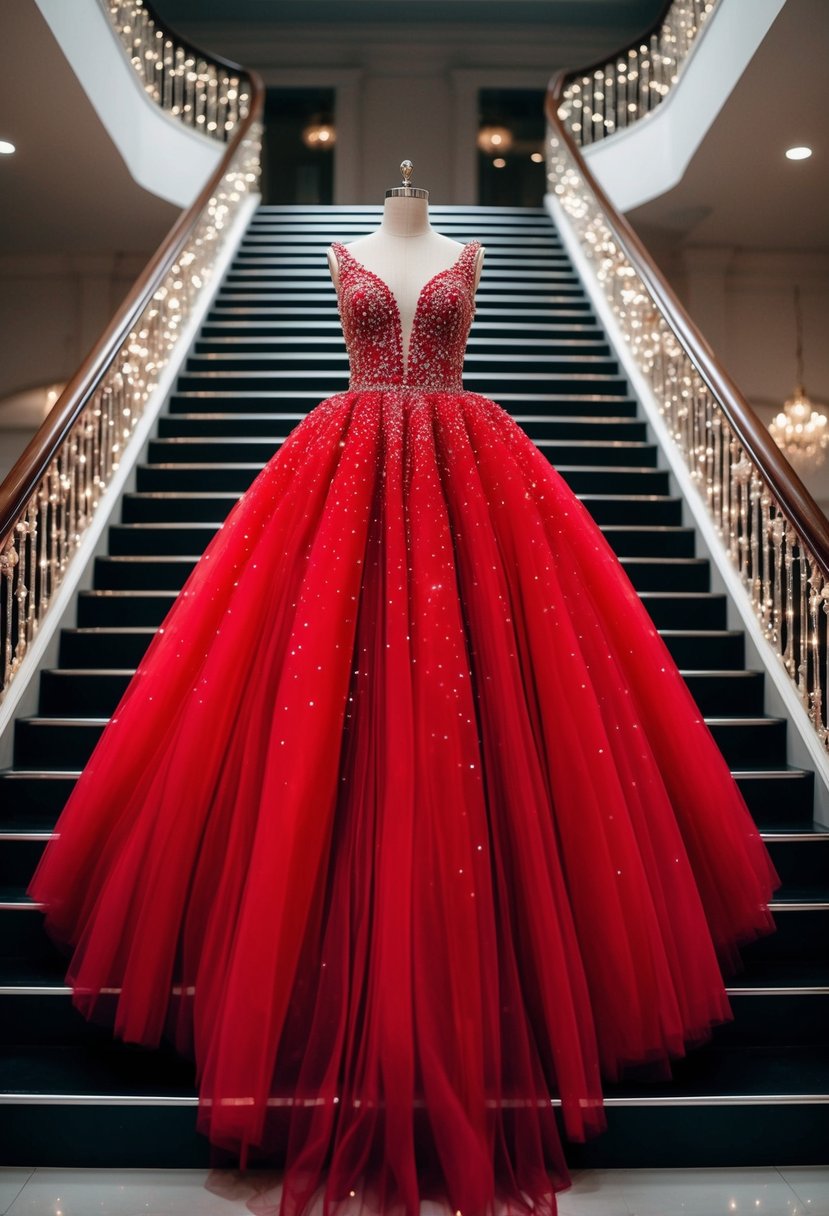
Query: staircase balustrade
[
  {"x": 54, "y": 490},
  {"x": 599, "y": 100},
  {"x": 203, "y": 91},
  {"x": 774, "y": 531}
]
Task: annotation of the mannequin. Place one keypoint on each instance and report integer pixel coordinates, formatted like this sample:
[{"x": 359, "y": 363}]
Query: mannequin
[{"x": 405, "y": 251}]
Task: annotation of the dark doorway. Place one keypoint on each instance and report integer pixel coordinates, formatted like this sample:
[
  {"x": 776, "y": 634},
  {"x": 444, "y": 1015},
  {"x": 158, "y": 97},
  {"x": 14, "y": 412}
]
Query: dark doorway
[
  {"x": 511, "y": 128},
  {"x": 295, "y": 170}
]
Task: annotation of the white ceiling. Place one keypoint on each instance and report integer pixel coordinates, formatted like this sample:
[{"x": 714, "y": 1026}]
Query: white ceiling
[
  {"x": 65, "y": 189},
  {"x": 740, "y": 190}
]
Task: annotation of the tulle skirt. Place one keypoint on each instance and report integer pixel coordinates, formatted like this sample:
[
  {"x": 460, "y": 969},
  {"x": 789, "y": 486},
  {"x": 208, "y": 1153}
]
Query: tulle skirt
[{"x": 407, "y": 824}]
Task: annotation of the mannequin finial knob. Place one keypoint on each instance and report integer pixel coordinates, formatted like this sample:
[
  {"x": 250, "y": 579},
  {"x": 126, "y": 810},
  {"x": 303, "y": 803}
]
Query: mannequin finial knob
[{"x": 407, "y": 169}]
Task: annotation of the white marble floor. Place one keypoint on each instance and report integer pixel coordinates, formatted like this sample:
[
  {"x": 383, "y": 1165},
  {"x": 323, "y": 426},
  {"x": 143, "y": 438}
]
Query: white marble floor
[{"x": 797, "y": 1191}]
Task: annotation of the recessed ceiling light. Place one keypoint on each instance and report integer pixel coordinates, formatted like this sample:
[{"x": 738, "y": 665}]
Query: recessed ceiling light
[
  {"x": 798, "y": 153},
  {"x": 6, "y": 148}
]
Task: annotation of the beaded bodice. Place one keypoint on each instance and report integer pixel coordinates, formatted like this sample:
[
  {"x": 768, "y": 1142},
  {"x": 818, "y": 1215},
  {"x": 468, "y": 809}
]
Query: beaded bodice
[{"x": 372, "y": 328}]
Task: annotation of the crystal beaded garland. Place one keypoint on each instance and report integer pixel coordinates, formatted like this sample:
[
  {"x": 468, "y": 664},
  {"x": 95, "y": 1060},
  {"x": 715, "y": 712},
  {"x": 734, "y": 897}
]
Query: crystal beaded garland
[
  {"x": 36, "y": 552},
  {"x": 624, "y": 90},
  {"x": 788, "y": 586},
  {"x": 191, "y": 87}
]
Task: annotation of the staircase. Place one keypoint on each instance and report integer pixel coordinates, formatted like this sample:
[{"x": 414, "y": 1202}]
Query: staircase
[{"x": 269, "y": 350}]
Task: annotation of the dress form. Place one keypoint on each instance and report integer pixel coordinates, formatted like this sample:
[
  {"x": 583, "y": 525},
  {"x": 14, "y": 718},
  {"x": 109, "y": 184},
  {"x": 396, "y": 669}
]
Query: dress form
[{"x": 405, "y": 251}]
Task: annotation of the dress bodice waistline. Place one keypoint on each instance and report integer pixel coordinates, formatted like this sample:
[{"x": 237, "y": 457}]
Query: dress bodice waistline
[{"x": 405, "y": 387}]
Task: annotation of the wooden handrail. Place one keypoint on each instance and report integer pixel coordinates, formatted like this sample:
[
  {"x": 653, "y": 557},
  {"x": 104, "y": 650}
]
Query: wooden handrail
[
  {"x": 25, "y": 475},
  {"x": 795, "y": 500}
]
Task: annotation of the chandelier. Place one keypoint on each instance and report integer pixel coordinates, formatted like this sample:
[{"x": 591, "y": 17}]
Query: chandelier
[
  {"x": 319, "y": 133},
  {"x": 800, "y": 429},
  {"x": 494, "y": 139}
]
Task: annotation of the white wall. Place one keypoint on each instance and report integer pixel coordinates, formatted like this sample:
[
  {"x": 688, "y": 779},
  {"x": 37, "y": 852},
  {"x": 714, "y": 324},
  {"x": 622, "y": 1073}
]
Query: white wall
[{"x": 53, "y": 308}]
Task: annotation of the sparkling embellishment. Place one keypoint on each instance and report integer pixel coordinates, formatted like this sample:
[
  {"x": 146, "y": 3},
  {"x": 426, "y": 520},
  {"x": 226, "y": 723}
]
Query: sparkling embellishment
[{"x": 373, "y": 332}]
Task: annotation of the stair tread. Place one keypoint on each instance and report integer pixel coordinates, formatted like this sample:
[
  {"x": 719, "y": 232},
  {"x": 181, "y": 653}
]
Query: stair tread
[
  {"x": 802, "y": 975},
  {"x": 698, "y": 672},
  {"x": 81, "y": 719},
  {"x": 128, "y": 1070},
  {"x": 623, "y": 445},
  {"x": 37, "y": 829},
  {"x": 752, "y": 1072},
  {"x": 103, "y": 1069},
  {"x": 194, "y": 557},
  {"x": 241, "y": 464},
  {"x": 784, "y": 832}
]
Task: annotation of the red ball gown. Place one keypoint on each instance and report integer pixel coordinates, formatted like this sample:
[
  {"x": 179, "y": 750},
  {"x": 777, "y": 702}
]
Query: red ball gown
[{"x": 407, "y": 823}]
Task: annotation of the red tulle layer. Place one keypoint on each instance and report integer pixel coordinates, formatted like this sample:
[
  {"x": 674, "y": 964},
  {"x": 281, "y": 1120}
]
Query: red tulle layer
[{"x": 407, "y": 822}]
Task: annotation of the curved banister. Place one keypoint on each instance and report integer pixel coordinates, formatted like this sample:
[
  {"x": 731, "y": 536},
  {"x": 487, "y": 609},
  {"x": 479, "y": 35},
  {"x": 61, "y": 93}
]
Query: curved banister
[
  {"x": 754, "y": 436},
  {"x": 623, "y": 87},
  {"x": 203, "y": 91},
  {"x": 776, "y": 535},
  {"x": 51, "y": 493}
]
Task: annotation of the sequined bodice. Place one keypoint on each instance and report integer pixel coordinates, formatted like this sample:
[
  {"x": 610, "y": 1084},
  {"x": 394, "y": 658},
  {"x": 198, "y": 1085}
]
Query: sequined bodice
[{"x": 373, "y": 332}]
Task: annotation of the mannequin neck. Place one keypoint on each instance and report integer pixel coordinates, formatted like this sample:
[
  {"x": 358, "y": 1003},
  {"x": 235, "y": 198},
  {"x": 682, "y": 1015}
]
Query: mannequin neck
[{"x": 405, "y": 216}]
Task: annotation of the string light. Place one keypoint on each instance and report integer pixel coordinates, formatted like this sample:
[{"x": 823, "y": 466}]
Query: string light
[
  {"x": 35, "y": 555},
  {"x": 783, "y": 580},
  {"x": 196, "y": 91},
  {"x": 597, "y": 104}
]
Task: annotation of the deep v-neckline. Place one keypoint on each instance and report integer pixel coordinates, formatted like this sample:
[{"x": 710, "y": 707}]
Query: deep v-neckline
[{"x": 398, "y": 318}]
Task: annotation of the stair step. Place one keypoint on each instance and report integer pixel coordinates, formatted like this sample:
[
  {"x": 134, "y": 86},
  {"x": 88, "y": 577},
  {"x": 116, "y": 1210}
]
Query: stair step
[
  {"x": 150, "y": 1099},
  {"x": 773, "y": 1004},
  {"x": 168, "y": 572},
  {"x": 238, "y": 476},
  {"x": 246, "y": 351},
  {"x": 625, "y": 509},
  {"x": 801, "y": 857},
  {"x": 167, "y": 537},
  {"x": 721, "y": 693},
  {"x": 686, "y": 609},
  {"x": 191, "y": 506},
  {"x": 328, "y": 382},
  {"x": 67, "y": 742},
  {"x": 295, "y": 403},
  {"x": 712, "y": 647},
  {"x": 93, "y": 691},
  {"x": 336, "y": 362},
  {"x": 313, "y": 271},
  {"x": 745, "y": 740},
  {"x": 785, "y": 795},
  {"x": 508, "y": 289},
  {"x": 277, "y": 425},
  {"x": 120, "y": 608},
  {"x": 85, "y": 692},
  {"x": 36, "y": 796},
  {"x": 682, "y": 610},
  {"x": 659, "y": 540},
  {"x": 118, "y": 645},
  {"x": 292, "y": 329},
  {"x": 245, "y": 450}
]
